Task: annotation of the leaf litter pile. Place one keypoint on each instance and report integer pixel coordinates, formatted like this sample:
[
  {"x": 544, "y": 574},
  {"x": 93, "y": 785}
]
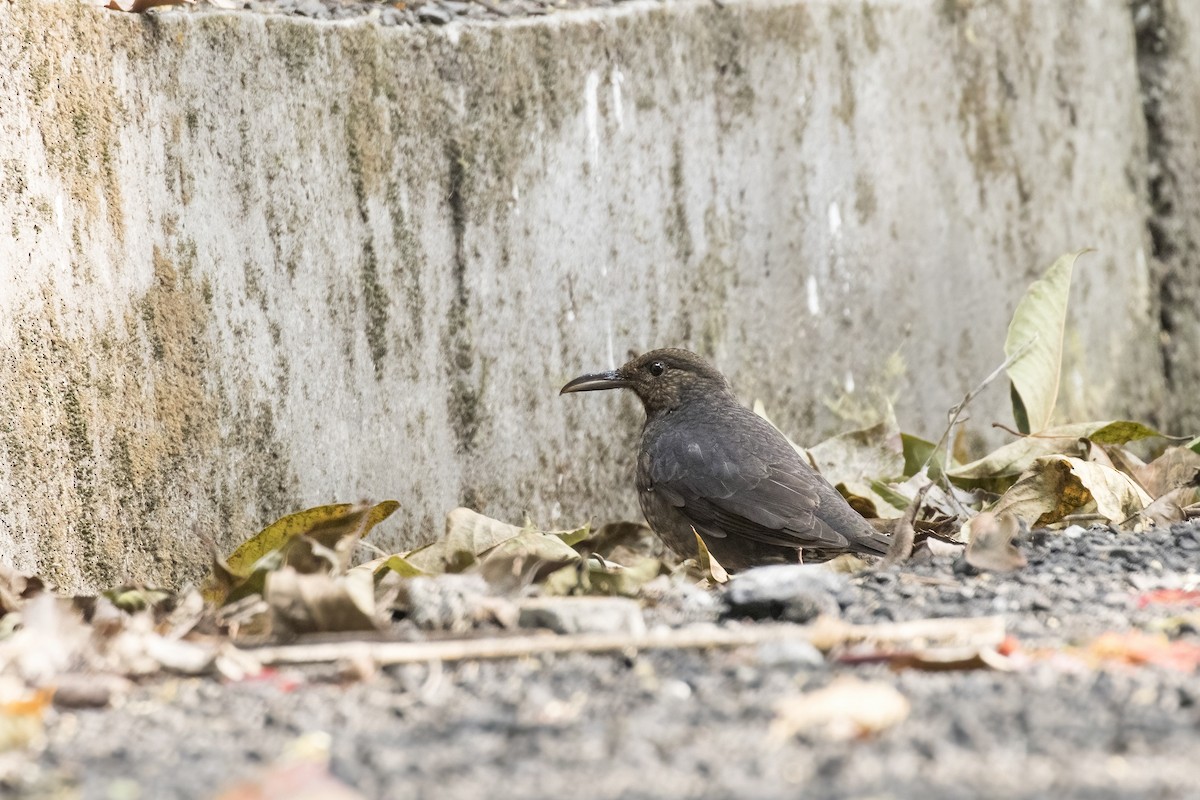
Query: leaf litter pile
[{"x": 311, "y": 589}]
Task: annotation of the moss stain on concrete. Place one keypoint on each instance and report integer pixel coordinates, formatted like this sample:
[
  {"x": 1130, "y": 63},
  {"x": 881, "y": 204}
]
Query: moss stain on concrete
[{"x": 80, "y": 110}]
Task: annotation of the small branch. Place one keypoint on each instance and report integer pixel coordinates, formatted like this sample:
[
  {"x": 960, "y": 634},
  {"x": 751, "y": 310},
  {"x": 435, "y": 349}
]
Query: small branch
[
  {"x": 957, "y": 410},
  {"x": 906, "y": 532},
  {"x": 824, "y": 634}
]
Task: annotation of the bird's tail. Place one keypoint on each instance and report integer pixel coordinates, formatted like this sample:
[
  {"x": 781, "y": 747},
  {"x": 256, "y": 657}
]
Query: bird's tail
[{"x": 873, "y": 542}]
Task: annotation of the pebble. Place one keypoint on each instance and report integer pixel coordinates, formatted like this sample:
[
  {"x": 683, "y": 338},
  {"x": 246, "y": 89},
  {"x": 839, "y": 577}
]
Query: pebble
[
  {"x": 433, "y": 13},
  {"x": 792, "y": 592},
  {"x": 583, "y": 615}
]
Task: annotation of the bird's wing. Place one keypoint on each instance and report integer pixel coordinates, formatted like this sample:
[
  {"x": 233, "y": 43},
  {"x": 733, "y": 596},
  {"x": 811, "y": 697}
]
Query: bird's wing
[{"x": 724, "y": 489}]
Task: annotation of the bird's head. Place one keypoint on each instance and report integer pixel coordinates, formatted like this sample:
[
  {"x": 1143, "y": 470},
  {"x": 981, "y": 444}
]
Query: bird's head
[{"x": 662, "y": 379}]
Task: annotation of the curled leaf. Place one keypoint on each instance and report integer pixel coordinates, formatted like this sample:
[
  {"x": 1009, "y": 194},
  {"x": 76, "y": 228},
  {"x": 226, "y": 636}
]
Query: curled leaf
[{"x": 1056, "y": 486}]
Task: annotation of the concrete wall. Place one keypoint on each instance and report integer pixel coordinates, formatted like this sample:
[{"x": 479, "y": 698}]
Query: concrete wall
[
  {"x": 252, "y": 263},
  {"x": 1169, "y": 61}
]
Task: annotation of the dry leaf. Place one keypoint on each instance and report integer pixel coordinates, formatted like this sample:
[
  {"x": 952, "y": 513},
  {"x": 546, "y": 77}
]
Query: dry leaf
[
  {"x": 990, "y": 542},
  {"x": 1165, "y": 511},
  {"x": 1016, "y": 457},
  {"x": 847, "y": 708},
  {"x": 710, "y": 569},
  {"x": 320, "y": 539},
  {"x": 1056, "y": 486},
  {"x": 309, "y": 603},
  {"x": 1176, "y": 468}
]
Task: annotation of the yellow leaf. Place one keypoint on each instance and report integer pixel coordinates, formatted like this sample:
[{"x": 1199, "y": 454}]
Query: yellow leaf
[{"x": 323, "y": 530}]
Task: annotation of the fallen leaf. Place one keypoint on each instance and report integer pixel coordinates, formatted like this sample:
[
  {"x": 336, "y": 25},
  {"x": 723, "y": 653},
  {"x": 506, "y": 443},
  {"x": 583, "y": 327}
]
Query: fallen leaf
[
  {"x": 595, "y": 576},
  {"x": 1012, "y": 459},
  {"x": 1056, "y": 486},
  {"x": 1037, "y": 328},
  {"x": 1176, "y": 468},
  {"x": 848, "y": 708},
  {"x": 1165, "y": 511},
  {"x": 856, "y": 458},
  {"x": 468, "y": 533},
  {"x": 903, "y": 533},
  {"x": 316, "y": 539},
  {"x": 990, "y": 542},
  {"x": 920, "y": 454},
  {"x": 526, "y": 558},
  {"x": 710, "y": 569},
  {"x": 303, "y": 603}
]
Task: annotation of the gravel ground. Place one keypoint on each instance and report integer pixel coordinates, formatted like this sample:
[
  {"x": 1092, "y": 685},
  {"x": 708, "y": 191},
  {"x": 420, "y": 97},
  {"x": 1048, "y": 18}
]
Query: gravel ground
[{"x": 698, "y": 724}]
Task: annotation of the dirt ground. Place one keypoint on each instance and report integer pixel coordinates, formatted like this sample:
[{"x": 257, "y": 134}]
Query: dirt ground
[{"x": 700, "y": 724}]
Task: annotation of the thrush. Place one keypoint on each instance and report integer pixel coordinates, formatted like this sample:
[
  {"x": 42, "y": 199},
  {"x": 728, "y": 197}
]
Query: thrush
[{"x": 708, "y": 465}]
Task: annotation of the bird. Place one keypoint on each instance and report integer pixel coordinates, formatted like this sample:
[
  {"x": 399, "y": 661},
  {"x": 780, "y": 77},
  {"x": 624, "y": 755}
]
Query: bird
[{"x": 711, "y": 467}]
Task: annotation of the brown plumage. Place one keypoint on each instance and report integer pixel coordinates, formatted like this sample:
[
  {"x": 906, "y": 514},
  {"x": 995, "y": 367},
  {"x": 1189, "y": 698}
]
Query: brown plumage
[{"x": 710, "y": 465}]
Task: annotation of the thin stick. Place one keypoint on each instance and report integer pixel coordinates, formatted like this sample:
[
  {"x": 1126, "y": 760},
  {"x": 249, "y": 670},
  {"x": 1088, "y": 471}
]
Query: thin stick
[
  {"x": 906, "y": 532},
  {"x": 969, "y": 396},
  {"x": 824, "y": 634}
]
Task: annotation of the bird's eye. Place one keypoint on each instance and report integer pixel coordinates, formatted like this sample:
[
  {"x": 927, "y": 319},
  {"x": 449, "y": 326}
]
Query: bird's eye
[{"x": 657, "y": 368}]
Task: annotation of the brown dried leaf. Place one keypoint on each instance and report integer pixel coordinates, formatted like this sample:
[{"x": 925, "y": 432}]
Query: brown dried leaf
[
  {"x": 1165, "y": 511},
  {"x": 1055, "y": 486},
  {"x": 1175, "y": 468},
  {"x": 990, "y": 542},
  {"x": 710, "y": 569},
  {"x": 309, "y": 603}
]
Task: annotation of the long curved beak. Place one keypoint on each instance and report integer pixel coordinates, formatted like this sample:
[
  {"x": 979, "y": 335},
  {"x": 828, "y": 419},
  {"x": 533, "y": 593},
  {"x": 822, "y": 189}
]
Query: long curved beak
[{"x": 595, "y": 382}]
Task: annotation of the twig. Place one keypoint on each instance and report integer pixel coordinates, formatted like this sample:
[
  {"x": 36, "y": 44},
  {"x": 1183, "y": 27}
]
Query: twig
[
  {"x": 947, "y": 439},
  {"x": 957, "y": 410},
  {"x": 824, "y": 634},
  {"x": 906, "y": 532}
]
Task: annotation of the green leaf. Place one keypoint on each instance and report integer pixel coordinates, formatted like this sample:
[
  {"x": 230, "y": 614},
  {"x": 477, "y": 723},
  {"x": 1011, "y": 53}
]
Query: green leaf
[
  {"x": 893, "y": 497},
  {"x": 918, "y": 453},
  {"x": 572, "y": 538},
  {"x": 1037, "y": 328},
  {"x": 400, "y": 566},
  {"x": 1015, "y": 457},
  {"x": 1121, "y": 432},
  {"x": 1194, "y": 444}
]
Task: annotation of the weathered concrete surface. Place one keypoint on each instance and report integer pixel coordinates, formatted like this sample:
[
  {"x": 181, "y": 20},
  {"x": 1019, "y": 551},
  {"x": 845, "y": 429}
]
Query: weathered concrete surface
[
  {"x": 1169, "y": 61},
  {"x": 251, "y": 263}
]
